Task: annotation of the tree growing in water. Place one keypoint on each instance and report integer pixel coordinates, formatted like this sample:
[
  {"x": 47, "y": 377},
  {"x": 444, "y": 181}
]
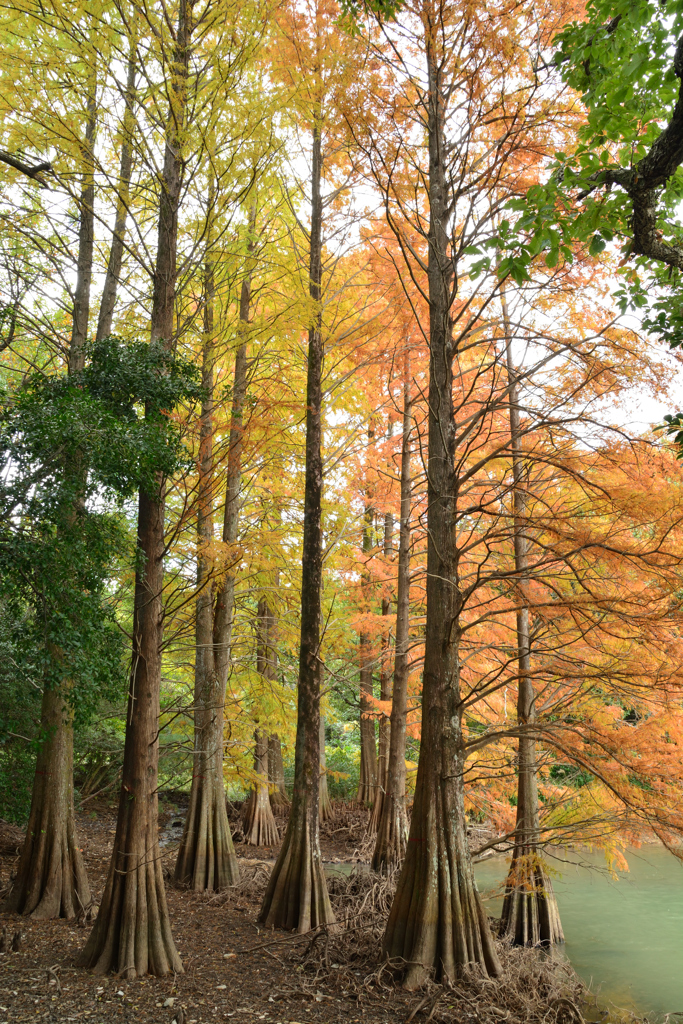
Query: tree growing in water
[{"x": 437, "y": 924}]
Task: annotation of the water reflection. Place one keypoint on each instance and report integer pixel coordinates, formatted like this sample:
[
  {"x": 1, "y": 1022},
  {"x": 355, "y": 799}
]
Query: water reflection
[{"x": 625, "y": 937}]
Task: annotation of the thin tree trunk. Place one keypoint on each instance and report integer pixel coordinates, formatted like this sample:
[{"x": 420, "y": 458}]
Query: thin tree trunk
[
  {"x": 437, "y": 923},
  {"x": 530, "y": 915},
  {"x": 113, "y": 275},
  {"x": 132, "y": 934},
  {"x": 279, "y": 800},
  {"x": 367, "y": 782},
  {"x": 296, "y": 897},
  {"x": 384, "y": 695},
  {"x": 392, "y": 828},
  {"x": 86, "y": 243},
  {"x": 51, "y": 878},
  {"x": 225, "y": 597},
  {"x": 323, "y": 792},
  {"x": 259, "y": 824},
  {"x": 206, "y": 857}
]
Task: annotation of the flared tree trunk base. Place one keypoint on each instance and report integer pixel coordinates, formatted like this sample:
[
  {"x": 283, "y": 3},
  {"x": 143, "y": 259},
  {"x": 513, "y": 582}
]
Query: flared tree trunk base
[
  {"x": 296, "y": 898},
  {"x": 392, "y": 836},
  {"x": 206, "y": 858},
  {"x": 530, "y": 914},
  {"x": 132, "y": 933},
  {"x": 51, "y": 877},
  {"x": 259, "y": 824},
  {"x": 437, "y": 924},
  {"x": 376, "y": 812},
  {"x": 51, "y": 880},
  {"x": 279, "y": 802}
]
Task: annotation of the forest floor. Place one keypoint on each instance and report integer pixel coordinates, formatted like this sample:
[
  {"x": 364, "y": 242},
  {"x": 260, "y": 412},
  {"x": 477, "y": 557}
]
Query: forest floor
[{"x": 235, "y": 970}]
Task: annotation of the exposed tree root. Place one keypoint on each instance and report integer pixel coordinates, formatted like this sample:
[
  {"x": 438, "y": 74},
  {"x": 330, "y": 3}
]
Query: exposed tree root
[
  {"x": 437, "y": 923},
  {"x": 132, "y": 933},
  {"x": 535, "y": 987}
]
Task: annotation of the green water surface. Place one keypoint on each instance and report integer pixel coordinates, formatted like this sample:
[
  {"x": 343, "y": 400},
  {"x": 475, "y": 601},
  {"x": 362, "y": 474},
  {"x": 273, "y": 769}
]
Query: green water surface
[{"x": 624, "y": 937}]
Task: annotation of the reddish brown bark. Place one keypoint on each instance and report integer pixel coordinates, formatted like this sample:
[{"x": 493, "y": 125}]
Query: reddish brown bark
[
  {"x": 392, "y": 827},
  {"x": 296, "y": 897},
  {"x": 437, "y": 923},
  {"x": 51, "y": 878},
  {"x": 530, "y": 915},
  {"x": 206, "y": 857},
  {"x": 132, "y": 934}
]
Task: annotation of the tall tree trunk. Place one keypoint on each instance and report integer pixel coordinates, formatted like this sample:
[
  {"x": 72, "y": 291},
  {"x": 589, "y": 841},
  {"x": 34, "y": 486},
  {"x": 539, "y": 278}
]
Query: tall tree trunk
[
  {"x": 296, "y": 897},
  {"x": 392, "y": 828},
  {"x": 530, "y": 915},
  {"x": 259, "y": 824},
  {"x": 206, "y": 858},
  {"x": 367, "y": 782},
  {"x": 279, "y": 800},
  {"x": 51, "y": 878},
  {"x": 437, "y": 923},
  {"x": 384, "y": 695},
  {"x": 323, "y": 792},
  {"x": 132, "y": 934},
  {"x": 111, "y": 281}
]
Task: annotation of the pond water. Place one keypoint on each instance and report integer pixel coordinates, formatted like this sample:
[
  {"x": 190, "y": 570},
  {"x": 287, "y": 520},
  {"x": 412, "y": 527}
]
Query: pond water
[{"x": 624, "y": 936}]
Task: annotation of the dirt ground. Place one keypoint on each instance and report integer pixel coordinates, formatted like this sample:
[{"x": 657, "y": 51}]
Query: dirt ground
[{"x": 233, "y": 969}]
